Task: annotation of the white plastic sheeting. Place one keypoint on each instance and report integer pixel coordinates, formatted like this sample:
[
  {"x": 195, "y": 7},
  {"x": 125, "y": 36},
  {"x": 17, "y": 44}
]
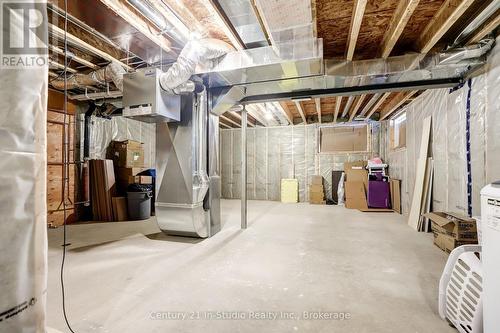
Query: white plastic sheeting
[
  {"x": 103, "y": 131},
  {"x": 493, "y": 116},
  {"x": 23, "y": 235},
  {"x": 274, "y": 153},
  {"x": 448, "y": 109}
]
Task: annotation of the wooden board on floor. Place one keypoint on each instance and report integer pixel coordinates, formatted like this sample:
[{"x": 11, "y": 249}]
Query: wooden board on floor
[{"x": 414, "y": 217}]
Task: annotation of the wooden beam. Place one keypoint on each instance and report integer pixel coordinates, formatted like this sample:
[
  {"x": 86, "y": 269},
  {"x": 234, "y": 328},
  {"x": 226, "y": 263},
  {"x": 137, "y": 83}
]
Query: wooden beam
[
  {"x": 358, "y": 104},
  {"x": 237, "y": 115},
  {"x": 122, "y": 9},
  {"x": 224, "y": 125},
  {"x": 286, "y": 111},
  {"x": 229, "y": 120},
  {"x": 399, "y": 20},
  {"x": 173, "y": 19},
  {"x": 338, "y": 103},
  {"x": 370, "y": 103},
  {"x": 301, "y": 111},
  {"x": 223, "y": 22},
  {"x": 356, "y": 20},
  {"x": 59, "y": 33},
  {"x": 59, "y": 66},
  {"x": 378, "y": 104},
  {"x": 75, "y": 58},
  {"x": 491, "y": 24},
  {"x": 252, "y": 110},
  {"x": 395, "y": 103},
  {"x": 447, "y": 15},
  {"x": 317, "y": 101},
  {"x": 347, "y": 106}
]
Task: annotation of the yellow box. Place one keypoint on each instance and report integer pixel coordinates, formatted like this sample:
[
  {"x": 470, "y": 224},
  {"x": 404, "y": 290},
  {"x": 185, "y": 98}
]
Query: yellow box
[{"x": 289, "y": 190}]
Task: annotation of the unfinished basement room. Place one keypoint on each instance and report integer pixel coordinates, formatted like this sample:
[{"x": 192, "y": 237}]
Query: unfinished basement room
[{"x": 252, "y": 166}]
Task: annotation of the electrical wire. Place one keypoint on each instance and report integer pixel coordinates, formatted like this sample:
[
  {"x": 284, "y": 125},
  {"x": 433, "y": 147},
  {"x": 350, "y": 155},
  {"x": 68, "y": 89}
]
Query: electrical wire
[{"x": 65, "y": 163}]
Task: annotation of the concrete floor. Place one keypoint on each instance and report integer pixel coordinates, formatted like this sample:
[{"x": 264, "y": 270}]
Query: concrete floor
[{"x": 127, "y": 277}]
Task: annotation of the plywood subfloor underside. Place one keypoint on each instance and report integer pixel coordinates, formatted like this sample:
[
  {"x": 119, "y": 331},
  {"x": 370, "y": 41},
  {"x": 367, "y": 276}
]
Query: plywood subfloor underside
[{"x": 293, "y": 257}]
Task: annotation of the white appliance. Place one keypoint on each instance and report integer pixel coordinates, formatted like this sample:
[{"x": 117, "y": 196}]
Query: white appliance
[{"x": 490, "y": 219}]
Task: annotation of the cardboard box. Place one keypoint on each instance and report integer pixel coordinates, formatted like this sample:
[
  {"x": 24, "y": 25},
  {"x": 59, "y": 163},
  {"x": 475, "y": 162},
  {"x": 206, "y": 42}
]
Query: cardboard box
[
  {"x": 355, "y": 195},
  {"x": 357, "y": 175},
  {"x": 355, "y": 165},
  {"x": 316, "y": 188},
  {"x": 120, "y": 208},
  {"x": 125, "y": 173},
  {"x": 145, "y": 180},
  {"x": 317, "y": 180},
  {"x": 447, "y": 243},
  {"x": 316, "y": 198},
  {"x": 396, "y": 195},
  {"x": 126, "y": 154},
  {"x": 459, "y": 227}
]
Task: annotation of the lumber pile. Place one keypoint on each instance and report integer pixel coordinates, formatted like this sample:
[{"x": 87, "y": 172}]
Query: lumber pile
[{"x": 102, "y": 188}]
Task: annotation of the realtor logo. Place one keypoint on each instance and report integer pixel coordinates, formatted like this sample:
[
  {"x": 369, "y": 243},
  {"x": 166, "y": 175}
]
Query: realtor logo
[{"x": 24, "y": 34}]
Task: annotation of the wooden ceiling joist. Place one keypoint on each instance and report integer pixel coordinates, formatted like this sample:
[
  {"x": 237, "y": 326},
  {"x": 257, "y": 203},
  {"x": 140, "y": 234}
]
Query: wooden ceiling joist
[
  {"x": 379, "y": 103},
  {"x": 301, "y": 111},
  {"x": 227, "y": 119},
  {"x": 75, "y": 58},
  {"x": 399, "y": 20},
  {"x": 60, "y": 67},
  {"x": 122, "y": 9},
  {"x": 356, "y": 20},
  {"x": 447, "y": 15},
  {"x": 252, "y": 111},
  {"x": 237, "y": 115},
  {"x": 357, "y": 106},
  {"x": 370, "y": 104},
  {"x": 395, "y": 103},
  {"x": 59, "y": 33},
  {"x": 338, "y": 102},
  {"x": 317, "y": 101},
  {"x": 347, "y": 106},
  {"x": 487, "y": 27},
  {"x": 286, "y": 111},
  {"x": 221, "y": 124}
]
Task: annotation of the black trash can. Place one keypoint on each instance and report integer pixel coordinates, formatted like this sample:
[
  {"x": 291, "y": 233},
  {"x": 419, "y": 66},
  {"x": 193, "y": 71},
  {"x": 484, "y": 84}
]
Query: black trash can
[{"x": 139, "y": 205}]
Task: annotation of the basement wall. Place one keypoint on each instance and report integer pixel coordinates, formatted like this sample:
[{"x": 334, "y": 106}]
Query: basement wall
[
  {"x": 274, "y": 153},
  {"x": 448, "y": 109},
  {"x": 103, "y": 131}
]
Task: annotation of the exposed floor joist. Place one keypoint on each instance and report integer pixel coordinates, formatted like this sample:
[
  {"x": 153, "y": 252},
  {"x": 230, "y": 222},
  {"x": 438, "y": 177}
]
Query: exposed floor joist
[
  {"x": 357, "y": 106},
  {"x": 286, "y": 111},
  {"x": 399, "y": 20},
  {"x": 357, "y": 19},
  {"x": 59, "y": 33},
  {"x": 317, "y": 102},
  {"x": 338, "y": 102},
  {"x": 447, "y": 15},
  {"x": 347, "y": 106},
  {"x": 370, "y": 104},
  {"x": 237, "y": 115},
  {"x": 58, "y": 66},
  {"x": 75, "y": 58},
  {"x": 379, "y": 103},
  {"x": 487, "y": 27},
  {"x": 301, "y": 111},
  {"x": 229, "y": 121},
  {"x": 395, "y": 103}
]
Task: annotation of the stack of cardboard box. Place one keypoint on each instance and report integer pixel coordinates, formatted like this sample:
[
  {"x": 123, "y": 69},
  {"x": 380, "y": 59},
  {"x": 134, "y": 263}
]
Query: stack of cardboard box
[
  {"x": 452, "y": 230},
  {"x": 317, "y": 191},
  {"x": 126, "y": 154}
]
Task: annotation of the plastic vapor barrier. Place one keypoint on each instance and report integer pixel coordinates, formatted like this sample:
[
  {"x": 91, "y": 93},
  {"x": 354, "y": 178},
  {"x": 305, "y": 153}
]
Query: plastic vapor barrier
[
  {"x": 274, "y": 153},
  {"x": 23, "y": 238},
  {"x": 493, "y": 116},
  {"x": 103, "y": 131},
  {"x": 448, "y": 148}
]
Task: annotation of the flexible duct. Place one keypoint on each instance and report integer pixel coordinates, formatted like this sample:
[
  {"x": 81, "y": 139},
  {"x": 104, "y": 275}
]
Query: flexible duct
[
  {"x": 196, "y": 52},
  {"x": 111, "y": 73},
  {"x": 469, "y": 52}
]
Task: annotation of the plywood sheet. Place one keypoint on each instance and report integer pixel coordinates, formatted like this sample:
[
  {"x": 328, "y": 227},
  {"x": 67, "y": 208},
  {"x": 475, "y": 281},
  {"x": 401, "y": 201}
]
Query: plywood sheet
[{"x": 414, "y": 216}]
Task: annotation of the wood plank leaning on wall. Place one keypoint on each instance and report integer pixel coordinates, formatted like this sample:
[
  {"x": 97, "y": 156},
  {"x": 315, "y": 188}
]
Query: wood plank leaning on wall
[{"x": 55, "y": 166}]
